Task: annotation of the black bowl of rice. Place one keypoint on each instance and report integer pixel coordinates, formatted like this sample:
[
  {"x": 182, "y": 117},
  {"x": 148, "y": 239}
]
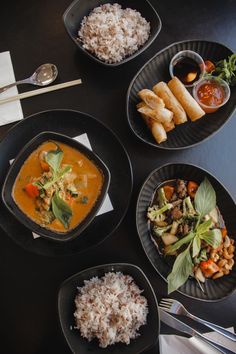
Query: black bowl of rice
[
  {"x": 110, "y": 308},
  {"x": 112, "y": 32}
]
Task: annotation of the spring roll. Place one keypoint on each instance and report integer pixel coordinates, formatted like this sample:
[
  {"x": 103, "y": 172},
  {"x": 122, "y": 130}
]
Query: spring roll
[
  {"x": 151, "y": 99},
  {"x": 161, "y": 115},
  {"x": 162, "y": 90},
  {"x": 158, "y": 131},
  {"x": 169, "y": 126},
  {"x": 191, "y": 107},
  {"x": 156, "y": 128}
]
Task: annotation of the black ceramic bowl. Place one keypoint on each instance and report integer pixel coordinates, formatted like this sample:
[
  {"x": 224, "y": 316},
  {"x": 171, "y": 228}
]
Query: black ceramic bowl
[
  {"x": 157, "y": 69},
  {"x": 15, "y": 168},
  {"x": 66, "y": 307},
  {"x": 213, "y": 289},
  {"x": 79, "y": 8}
]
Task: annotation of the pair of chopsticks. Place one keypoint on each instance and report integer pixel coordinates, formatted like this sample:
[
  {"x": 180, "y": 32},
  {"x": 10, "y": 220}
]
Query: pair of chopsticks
[{"x": 41, "y": 91}]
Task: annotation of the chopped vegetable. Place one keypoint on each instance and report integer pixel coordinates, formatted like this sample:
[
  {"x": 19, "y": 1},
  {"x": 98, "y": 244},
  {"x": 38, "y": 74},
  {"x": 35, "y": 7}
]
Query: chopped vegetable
[
  {"x": 156, "y": 214},
  {"x": 209, "y": 268},
  {"x": 162, "y": 200},
  {"x": 192, "y": 188},
  {"x": 169, "y": 239},
  {"x": 158, "y": 231},
  {"x": 32, "y": 190},
  {"x": 169, "y": 191},
  {"x": 209, "y": 66},
  {"x": 188, "y": 208},
  {"x": 224, "y": 232}
]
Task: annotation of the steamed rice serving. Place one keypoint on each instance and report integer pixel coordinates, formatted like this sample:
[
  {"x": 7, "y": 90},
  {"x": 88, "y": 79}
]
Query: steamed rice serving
[
  {"x": 112, "y": 33},
  {"x": 110, "y": 309}
]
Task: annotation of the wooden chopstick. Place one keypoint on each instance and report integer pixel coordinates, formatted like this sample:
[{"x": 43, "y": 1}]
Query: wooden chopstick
[{"x": 41, "y": 91}]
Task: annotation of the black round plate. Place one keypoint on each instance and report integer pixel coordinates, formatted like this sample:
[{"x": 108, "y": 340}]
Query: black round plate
[
  {"x": 104, "y": 143},
  {"x": 213, "y": 289},
  {"x": 149, "y": 333},
  {"x": 157, "y": 69}
]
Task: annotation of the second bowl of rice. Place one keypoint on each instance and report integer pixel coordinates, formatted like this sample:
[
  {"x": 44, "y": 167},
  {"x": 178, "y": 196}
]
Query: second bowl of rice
[
  {"x": 112, "y": 32},
  {"x": 110, "y": 307}
]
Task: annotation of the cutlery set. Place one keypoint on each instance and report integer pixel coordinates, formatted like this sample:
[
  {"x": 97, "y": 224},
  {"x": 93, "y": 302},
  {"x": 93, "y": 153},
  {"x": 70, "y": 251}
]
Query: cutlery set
[
  {"x": 167, "y": 306},
  {"x": 43, "y": 76}
]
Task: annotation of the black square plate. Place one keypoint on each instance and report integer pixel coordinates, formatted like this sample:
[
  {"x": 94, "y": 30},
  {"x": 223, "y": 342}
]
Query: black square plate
[
  {"x": 15, "y": 168},
  {"x": 148, "y": 333}
]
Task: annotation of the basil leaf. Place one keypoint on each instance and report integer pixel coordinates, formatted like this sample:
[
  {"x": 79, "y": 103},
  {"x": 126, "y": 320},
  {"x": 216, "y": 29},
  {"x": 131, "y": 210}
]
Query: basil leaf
[
  {"x": 212, "y": 237},
  {"x": 182, "y": 269},
  {"x": 196, "y": 246},
  {"x": 178, "y": 244},
  {"x": 54, "y": 158},
  {"x": 205, "y": 198},
  {"x": 61, "y": 210},
  {"x": 204, "y": 227}
]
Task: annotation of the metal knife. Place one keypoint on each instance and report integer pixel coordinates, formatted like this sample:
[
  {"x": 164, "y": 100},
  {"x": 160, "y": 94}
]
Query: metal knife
[{"x": 183, "y": 327}]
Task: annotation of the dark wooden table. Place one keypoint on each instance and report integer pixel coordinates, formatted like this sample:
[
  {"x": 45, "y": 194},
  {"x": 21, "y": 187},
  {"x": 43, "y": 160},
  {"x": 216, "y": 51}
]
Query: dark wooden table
[{"x": 34, "y": 33}]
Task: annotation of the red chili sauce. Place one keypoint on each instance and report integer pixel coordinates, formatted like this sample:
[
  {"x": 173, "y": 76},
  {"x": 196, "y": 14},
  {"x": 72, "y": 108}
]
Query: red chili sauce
[{"x": 211, "y": 94}]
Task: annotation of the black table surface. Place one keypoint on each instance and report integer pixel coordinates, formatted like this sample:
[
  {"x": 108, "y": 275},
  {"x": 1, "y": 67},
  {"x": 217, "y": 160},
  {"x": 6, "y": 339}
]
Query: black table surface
[{"x": 33, "y": 32}]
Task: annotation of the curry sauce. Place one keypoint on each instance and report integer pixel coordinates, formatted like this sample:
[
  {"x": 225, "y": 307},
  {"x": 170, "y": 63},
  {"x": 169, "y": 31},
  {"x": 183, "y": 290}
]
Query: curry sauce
[{"x": 57, "y": 186}]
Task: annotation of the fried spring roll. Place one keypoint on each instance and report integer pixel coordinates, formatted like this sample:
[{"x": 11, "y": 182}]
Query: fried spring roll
[
  {"x": 151, "y": 99},
  {"x": 161, "y": 115},
  {"x": 191, "y": 107},
  {"x": 169, "y": 126},
  {"x": 162, "y": 90},
  {"x": 156, "y": 128},
  {"x": 158, "y": 131}
]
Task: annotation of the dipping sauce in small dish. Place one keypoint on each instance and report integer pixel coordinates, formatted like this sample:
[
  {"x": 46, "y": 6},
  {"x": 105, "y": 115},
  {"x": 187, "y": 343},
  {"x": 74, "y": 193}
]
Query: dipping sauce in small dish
[
  {"x": 188, "y": 66},
  {"x": 211, "y": 93}
]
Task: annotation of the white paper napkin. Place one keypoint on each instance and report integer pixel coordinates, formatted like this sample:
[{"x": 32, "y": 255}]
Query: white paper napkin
[
  {"x": 12, "y": 111},
  {"x": 172, "y": 344}
]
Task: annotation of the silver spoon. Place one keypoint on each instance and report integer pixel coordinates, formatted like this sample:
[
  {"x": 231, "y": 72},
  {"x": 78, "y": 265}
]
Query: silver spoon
[{"x": 44, "y": 75}]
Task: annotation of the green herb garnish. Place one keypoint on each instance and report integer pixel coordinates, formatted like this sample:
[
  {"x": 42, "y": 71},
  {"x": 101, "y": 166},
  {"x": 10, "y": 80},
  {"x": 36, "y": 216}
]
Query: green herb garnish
[
  {"x": 182, "y": 269},
  {"x": 226, "y": 69},
  {"x": 61, "y": 210},
  {"x": 204, "y": 202}
]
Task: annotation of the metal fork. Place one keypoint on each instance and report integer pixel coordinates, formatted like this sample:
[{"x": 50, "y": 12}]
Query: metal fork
[{"x": 176, "y": 308}]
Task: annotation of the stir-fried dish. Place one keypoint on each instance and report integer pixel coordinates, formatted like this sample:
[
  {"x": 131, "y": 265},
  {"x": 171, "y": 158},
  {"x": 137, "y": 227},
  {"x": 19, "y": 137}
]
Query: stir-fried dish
[
  {"x": 57, "y": 186},
  {"x": 187, "y": 226}
]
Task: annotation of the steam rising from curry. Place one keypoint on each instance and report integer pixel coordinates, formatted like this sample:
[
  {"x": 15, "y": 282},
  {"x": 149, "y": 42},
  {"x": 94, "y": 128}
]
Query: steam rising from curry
[{"x": 57, "y": 186}]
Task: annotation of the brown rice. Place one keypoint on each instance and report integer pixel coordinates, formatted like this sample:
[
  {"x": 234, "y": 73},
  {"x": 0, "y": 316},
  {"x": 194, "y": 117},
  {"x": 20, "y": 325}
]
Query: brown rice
[
  {"x": 112, "y": 33},
  {"x": 110, "y": 309}
]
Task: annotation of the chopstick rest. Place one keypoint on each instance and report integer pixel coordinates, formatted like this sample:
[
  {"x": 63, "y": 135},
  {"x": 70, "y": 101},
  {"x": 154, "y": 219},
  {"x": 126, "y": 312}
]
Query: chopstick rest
[{"x": 41, "y": 91}]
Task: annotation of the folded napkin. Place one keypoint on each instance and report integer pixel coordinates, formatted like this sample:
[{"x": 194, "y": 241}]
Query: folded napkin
[
  {"x": 12, "y": 111},
  {"x": 172, "y": 344}
]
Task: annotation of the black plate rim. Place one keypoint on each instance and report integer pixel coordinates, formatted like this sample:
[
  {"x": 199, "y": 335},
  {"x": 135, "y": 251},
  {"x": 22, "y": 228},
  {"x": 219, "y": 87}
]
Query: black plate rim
[
  {"x": 136, "y": 212},
  {"x": 97, "y": 60},
  {"x": 89, "y": 248},
  {"x": 159, "y": 146},
  {"x": 79, "y": 228},
  {"x": 121, "y": 264}
]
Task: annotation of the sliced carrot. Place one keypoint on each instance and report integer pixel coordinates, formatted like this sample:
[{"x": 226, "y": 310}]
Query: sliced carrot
[
  {"x": 44, "y": 165},
  {"x": 32, "y": 190},
  {"x": 224, "y": 232},
  {"x": 169, "y": 190},
  {"x": 209, "y": 66},
  {"x": 192, "y": 188},
  {"x": 209, "y": 268}
]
